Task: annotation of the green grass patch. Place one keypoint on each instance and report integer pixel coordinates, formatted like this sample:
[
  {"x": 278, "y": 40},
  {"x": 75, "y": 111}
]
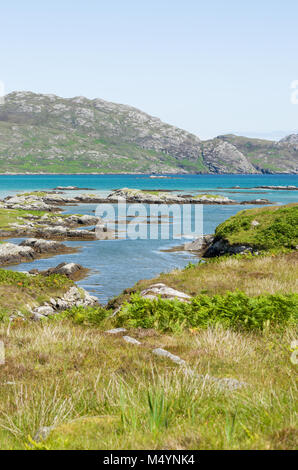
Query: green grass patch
[{"x": 276, "y": 227}]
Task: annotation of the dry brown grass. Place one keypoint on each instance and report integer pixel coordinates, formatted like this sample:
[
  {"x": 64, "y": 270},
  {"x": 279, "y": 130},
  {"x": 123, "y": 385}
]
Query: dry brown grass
[{"x": 258, "y": 275}]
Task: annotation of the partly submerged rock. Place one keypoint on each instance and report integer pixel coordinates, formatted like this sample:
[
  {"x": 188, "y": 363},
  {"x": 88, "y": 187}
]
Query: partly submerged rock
[
  {"x": 160, "y": 197},
  {"x": 73, "y": 271},
  {"x": 71, "y": 188}
]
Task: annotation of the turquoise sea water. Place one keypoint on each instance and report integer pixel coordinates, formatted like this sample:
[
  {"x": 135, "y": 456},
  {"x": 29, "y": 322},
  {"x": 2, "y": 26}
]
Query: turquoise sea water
[{"x": 118, "y": 264}]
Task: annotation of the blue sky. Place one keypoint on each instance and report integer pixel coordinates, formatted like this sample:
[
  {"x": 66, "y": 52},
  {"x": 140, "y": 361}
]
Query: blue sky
[{"x": 210, "y": 67}]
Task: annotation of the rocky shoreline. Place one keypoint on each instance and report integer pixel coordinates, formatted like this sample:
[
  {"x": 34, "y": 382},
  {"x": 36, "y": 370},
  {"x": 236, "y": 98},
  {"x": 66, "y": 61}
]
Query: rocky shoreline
[
  {"x": 37, "y": 215},
  {"x": 51, "y": 225},
  {"x": 31, "y": 249}
]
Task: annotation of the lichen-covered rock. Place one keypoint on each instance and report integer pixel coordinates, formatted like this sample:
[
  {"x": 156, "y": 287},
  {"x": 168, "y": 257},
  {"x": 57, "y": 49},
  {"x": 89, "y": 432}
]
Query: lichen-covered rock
[
  {"x": 73, "y": 271},
  {"x": 44, "y": 310}
]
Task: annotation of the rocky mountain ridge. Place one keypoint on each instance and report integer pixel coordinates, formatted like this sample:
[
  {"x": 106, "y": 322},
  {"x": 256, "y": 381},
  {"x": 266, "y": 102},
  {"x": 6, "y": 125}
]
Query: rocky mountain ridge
[{"x": 48, "y": 134}]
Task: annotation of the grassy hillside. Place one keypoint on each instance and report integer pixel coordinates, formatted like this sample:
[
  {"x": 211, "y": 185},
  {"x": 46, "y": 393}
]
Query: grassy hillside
[{"x": 45, "y": 133}]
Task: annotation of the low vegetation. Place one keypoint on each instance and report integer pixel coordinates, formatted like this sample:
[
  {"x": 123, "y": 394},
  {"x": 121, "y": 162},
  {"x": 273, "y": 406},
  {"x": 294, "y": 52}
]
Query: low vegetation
[
  {"x": 19, "y": 216},
  {"x": 264, "y": 228},
  {"x": 12, "y": 216},
  {"x": 233, "y": 310}
]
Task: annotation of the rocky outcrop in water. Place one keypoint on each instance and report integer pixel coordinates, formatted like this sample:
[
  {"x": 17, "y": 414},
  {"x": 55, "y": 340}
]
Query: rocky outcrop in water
[
  {"x": 30, "y": 249},
  {"x": 160, "y": 197},
  {"x": 73, "y": 271},
  {"x": 50, "y": 202},
  {"x": 199, "y": 245},
  {"x": 13, "y": 254}
]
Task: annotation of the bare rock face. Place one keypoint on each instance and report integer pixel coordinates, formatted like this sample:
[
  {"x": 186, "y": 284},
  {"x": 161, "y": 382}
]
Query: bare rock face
[
  {"x": 222, "y": 247},
  {"x": 223, "y": 157},
  {"x": 200, "y": 244},
  {"x": 290, "y": 141},
  {"x": 161, "y": 290}
]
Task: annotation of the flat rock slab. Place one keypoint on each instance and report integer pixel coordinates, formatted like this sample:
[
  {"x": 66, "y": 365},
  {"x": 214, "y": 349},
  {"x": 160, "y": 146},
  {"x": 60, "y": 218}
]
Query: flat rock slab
[
  {"x": 168, "y": 355},
  {"x": 116, "y": 331},
  {"x": 131, "y": 340}
]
